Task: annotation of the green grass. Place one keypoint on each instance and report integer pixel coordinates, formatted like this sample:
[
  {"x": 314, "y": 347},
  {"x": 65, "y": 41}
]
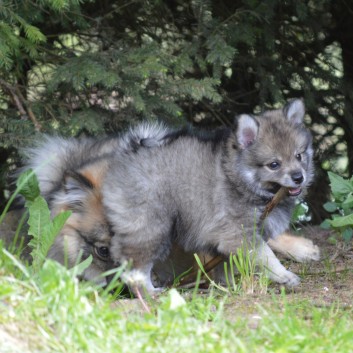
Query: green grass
[
  {"x": 53, "y": 312},
  {"x": 46, "y": 309}
]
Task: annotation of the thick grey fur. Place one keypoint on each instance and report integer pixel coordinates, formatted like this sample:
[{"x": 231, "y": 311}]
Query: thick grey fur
[
  {"x": 57, "y": 162},
  {"x": 207, "y": 195},
  {"x": 53, "y": 157}
]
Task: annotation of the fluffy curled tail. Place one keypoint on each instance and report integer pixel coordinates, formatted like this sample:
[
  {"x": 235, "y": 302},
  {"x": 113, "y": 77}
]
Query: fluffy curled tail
[
  {"x": 51, "y": 157},
  {"x": 145, "y": 135}
]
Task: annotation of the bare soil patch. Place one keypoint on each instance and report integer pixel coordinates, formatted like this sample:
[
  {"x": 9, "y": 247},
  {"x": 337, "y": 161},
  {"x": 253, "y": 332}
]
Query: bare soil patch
[
  {"x": 330, "y": 279},
  {"x": 326, "y": 282}
]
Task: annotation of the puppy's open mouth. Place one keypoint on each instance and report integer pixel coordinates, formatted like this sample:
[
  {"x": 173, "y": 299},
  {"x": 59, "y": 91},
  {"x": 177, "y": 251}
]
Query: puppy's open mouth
[
  {"x": 274, "y": 188},
  {"x": 294, "y": 191}
]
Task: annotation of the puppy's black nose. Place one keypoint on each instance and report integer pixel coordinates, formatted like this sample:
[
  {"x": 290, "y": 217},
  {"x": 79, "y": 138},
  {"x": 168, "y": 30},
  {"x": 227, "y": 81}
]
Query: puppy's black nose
[{"x": 297, "y": 177}]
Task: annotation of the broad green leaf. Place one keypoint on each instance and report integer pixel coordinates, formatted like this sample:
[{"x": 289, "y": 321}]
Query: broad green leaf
[
  {"x": 58, "y": 222},
  {"x": 28, "y": 185},
  {"x": 342, "y": 221},
  {"x": 39, "y": 221},
  {"x": 43, "y": 229},
  {"x": 39, "y": 217},
  {"x": 52, "y": 230},
  {"x": 330, "y": 206},
  {"x": 339, "y": 185},
  {"x": 348, "y": 202},
  {"x": 347, "y": 234}
]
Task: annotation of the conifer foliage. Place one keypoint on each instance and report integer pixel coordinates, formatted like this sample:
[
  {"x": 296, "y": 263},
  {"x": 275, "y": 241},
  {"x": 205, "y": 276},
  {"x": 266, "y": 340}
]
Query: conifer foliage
[{"x": 73, "y": 66}]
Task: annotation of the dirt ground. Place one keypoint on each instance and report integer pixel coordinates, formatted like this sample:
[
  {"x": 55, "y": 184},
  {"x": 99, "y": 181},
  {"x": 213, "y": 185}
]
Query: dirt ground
[
  {"x": 325, "y": 282},
  {"x": 330, "y": 279}
]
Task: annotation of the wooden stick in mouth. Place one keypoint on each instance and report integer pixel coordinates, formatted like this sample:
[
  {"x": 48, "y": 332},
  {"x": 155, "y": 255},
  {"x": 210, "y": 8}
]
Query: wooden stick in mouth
[{"x": 279, "y": 195}]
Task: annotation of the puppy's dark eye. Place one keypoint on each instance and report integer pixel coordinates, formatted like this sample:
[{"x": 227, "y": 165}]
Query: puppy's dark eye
[
  {"x": 274, "y": 165},
  {"x": 298, "y": 157},
  {"x": 102, "y": 252}
]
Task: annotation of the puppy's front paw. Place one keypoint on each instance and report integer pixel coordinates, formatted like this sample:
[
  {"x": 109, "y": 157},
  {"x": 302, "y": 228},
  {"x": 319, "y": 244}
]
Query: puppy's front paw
[{"x": 289, "y": 279}]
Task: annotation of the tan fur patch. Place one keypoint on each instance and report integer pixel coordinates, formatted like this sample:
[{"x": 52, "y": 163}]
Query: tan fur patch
[
  {"x": 294, "y": 247},
  {"x": 95, "y": 172}
]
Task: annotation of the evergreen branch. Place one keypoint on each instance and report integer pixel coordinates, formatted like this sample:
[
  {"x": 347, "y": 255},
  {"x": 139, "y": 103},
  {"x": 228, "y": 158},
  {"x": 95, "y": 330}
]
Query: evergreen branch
[
  {"x": 20, "y": 103},
  {"x": 31, "y": 115}
]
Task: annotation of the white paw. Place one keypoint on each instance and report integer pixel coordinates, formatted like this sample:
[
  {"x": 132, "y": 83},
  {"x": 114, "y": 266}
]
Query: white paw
[{"x": 289, "y": 279}]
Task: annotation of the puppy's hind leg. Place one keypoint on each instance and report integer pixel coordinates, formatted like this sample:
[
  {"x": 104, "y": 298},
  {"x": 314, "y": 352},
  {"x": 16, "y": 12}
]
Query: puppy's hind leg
[
  {"x": 273, "y": 267},
  {"x": 143, "y": 250}
]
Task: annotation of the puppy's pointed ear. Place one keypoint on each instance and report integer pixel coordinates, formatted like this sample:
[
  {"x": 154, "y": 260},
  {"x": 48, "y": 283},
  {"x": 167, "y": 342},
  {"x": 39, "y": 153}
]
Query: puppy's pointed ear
[
  {"x": 294, "y": 111},
  {"x": 246, "y": 131},
  {"x": 77, "y": 188},
  {"x": 85, "y": 182}
]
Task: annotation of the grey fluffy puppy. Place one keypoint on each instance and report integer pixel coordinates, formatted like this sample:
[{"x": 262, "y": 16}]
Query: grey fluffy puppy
[{"x": 207, "y": 194}]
